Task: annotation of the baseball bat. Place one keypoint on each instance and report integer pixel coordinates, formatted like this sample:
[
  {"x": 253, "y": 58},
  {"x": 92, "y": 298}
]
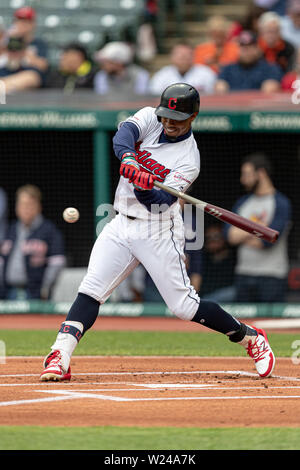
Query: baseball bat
[{"x": 260, "y": 231}]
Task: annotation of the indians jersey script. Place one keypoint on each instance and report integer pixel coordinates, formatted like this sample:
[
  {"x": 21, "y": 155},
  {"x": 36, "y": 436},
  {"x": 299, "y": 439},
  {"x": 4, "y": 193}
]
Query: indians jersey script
[{"x": 176, "y": 164}]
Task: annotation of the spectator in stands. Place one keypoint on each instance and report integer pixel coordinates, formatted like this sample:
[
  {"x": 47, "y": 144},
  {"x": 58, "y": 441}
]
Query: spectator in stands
[
  {"x": 118, "y": 75},
  {"x": 290, "y": 23},
  {"x": 3, "y": 214},
  {"x": 289, "y": 80},
  {"x": 278, "y": 6},
  {"x": 24, "y": 25},
  {"x": 146, "y": 37},
  {"x": 3, "y": 56},
  {"x": 247, "y": 23},
  {"x": 75, "y": 70},
  {"x": 15, "y": 71},
  {"x": 32, "y": 253},
  {"x": 132, "y": 288},
  {"x": 218, "y": 263},
  {"x": 251, "y": 71},
  {"x": 275, "y": 49},
  {"x": 262, "y": 268},
  {"x": 183, "y": 69},
  {"x": 218, "y": 51}
]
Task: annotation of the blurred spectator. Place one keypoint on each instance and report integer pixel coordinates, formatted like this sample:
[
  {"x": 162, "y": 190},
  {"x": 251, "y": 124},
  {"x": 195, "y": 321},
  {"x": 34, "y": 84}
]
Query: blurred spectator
[
  {"x": 247, "y": 23},
  {"x": 218, "y": 50},
  {"x": 15, "y": 71},
  {"x": 183, "y": 69},
  {"x": 251, "y": 71},
  {"x": 289, "y": 79},
  {"x": 118, "y": 75},
  {"x": 146, "y": 38},
  {"x": 3, "y": 56},
  {"x": 132, "y": 288},
  {"x": 275, "y": 49},
  {"x": 74, "y": 71},
  {"x": 290, "y": 23},
  {"x": 24, "y": 25},
  {"x": 262, "y": 267},
  {"x": 3, "y": 214},
  {"x": 278, "y": 6},
  {"x": 32, "y": 253},
  {"x": 218, "y": 263}
]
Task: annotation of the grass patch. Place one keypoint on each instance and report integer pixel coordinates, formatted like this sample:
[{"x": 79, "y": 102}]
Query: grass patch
[
  {"x": 38, "y": 342},
  {"x": 133, "y": 438}
]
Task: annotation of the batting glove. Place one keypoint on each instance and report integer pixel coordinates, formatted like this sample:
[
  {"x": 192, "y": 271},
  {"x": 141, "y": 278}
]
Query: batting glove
[
  {"x": 144, "y": 181},
  {"x": 129, "y": 167}
]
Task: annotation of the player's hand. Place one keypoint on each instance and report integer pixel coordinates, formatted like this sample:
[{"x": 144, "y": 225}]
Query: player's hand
[
  {"x": 129, "y": 167},
  {"x": 144, "y": 181}
]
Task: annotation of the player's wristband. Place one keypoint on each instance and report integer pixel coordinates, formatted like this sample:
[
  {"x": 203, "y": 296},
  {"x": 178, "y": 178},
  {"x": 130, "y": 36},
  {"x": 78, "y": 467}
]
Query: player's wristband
[{"x": 128, "y": 156}]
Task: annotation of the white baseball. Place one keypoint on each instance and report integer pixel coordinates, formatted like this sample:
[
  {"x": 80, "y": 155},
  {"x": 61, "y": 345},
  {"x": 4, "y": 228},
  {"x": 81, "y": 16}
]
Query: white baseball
[{"x": 71, "y": 215}]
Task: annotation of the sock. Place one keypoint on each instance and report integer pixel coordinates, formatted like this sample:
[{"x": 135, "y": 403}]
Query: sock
[
  {"x": 80, "y": 318},
  {"x": 214, "y": 317},
  {"x": 244, "y": 335}
]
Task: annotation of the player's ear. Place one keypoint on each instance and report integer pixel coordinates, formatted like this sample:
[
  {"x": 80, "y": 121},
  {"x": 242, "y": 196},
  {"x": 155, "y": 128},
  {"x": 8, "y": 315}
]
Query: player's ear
[{"x": 193, "y": 116}]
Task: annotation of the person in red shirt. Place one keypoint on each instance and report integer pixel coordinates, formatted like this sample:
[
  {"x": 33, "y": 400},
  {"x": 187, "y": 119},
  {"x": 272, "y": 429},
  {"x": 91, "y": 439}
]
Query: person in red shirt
[{"x": 218, "y": 51}]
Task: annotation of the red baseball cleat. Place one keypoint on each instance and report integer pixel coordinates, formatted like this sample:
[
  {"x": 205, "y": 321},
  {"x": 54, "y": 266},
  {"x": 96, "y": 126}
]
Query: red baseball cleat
[
  {"x": 54, "y": 370},
  {"x": 260, "y": 350}
]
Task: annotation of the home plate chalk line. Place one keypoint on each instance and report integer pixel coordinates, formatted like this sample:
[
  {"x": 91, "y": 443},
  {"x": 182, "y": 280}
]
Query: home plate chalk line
[{"x": 92, "y": 393}]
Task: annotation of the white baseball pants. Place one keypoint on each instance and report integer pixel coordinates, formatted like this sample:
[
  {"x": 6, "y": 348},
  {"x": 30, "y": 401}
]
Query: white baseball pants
[{"x": 158, "y": 246}]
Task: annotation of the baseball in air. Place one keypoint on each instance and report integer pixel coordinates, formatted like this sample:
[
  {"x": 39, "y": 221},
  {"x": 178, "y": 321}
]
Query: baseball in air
[{"x": 71, "y": 215}]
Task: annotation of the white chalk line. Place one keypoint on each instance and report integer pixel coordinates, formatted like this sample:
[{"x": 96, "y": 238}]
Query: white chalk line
[
  {"x": 164, "y": 373},
  {"x": 68, "y": 395}
]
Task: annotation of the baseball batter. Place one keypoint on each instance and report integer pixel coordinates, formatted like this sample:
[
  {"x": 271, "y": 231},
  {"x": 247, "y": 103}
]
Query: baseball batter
[{"x": 154, "y": 144}]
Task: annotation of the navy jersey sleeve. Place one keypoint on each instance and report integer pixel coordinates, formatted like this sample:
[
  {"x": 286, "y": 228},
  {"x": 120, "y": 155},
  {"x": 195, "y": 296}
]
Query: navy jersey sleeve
[
  {"x": 56, "y": 242},
  {"x": 125, "y": 139},
  {"x": 155, "y": 196},
  {"x": 282, "y": 216}
]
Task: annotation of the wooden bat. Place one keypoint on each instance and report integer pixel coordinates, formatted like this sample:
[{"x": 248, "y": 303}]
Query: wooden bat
[{"x": 260, "y": 231}]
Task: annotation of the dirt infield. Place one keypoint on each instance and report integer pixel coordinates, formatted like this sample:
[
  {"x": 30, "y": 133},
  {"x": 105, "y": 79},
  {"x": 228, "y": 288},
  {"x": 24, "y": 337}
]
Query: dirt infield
[
  {"x": 151, "y": 391},
  {"x": 146, "y": 391}
]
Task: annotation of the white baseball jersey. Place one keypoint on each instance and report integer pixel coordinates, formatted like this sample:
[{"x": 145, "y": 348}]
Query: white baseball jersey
[
  {"x": 175, "y": 164},
  {"x": 158, "y": 244}
]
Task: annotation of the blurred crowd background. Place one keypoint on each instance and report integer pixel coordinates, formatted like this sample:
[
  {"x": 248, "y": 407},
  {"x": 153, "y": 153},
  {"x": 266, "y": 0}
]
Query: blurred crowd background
[{"x": 123, "y": 48}]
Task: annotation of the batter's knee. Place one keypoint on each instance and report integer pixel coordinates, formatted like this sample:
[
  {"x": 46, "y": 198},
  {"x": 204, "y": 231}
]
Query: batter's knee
[{"x": 185, "y": 312}]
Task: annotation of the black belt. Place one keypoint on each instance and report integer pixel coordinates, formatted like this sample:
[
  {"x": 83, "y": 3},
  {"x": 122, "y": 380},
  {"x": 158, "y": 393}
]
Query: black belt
[{"x": 129, "y": 216}]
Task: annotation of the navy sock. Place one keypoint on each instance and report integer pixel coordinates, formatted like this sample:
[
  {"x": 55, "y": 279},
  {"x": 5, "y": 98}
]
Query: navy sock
[
  {"x": 85, "y": 310},
  {"x": 212, "y": 316}
]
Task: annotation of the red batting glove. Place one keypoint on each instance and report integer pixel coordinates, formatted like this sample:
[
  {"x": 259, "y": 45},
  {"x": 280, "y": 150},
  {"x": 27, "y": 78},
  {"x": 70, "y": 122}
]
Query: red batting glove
[
  {"x": 129, "y": 166},
  {"x": 144, "y": 181}
]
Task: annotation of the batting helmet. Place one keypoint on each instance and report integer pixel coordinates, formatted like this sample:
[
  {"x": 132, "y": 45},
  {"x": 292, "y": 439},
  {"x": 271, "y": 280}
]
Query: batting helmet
[{"x": 179, "y": 101}]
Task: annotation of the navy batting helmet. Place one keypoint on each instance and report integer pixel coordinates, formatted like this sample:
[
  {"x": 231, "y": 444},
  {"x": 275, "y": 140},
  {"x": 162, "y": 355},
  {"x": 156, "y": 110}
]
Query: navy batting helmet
[{"x": 179, "y": 101}]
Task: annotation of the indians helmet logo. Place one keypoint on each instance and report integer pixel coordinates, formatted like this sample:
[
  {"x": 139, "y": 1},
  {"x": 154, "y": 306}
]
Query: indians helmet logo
[{"x": 172, "y": 103}]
